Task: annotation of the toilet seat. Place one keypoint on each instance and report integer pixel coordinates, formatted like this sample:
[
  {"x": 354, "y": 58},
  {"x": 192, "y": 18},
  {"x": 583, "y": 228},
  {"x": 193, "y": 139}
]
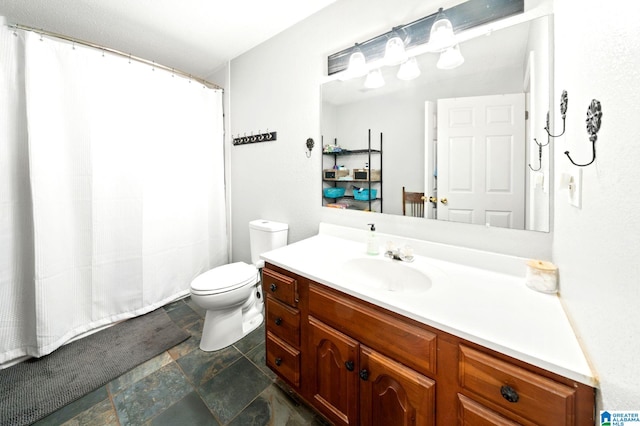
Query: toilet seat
[{"x": 224, "y": 278}]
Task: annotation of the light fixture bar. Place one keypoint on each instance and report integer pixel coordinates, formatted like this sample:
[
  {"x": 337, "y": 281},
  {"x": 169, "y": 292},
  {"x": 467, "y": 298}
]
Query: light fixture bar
[{"x": 466, "y": 15}]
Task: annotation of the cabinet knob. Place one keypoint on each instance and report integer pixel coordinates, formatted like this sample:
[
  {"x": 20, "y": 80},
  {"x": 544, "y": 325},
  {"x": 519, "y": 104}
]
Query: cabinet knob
[
  {"x": 278, "y": 321},
  {"x": 364, "y": 374},
  {"x": 349, "y": 365},
  {"x": 509, "y": 393},
  {"x": 273, "y": 287},
  {"x": 278, "y": 361}
]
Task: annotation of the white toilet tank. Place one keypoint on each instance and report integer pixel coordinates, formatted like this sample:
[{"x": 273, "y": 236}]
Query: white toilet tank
[{"x": 265, "y": 235}]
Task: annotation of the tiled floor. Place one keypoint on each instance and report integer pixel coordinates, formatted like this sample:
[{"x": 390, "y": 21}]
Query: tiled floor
[{"x": 186, "y": 386}]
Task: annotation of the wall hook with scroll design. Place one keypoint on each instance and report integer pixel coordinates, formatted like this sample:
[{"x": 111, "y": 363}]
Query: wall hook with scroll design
[
  {"x": 540, "y": 146},
  {"x": 594, "y": 121},
  {"x": 564, "y": 104},
  {"x": 539, "y": 154}
]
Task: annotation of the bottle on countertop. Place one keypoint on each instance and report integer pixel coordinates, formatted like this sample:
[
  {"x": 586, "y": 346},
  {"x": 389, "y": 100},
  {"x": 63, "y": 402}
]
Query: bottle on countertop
[{"x": 373, "y": 247}]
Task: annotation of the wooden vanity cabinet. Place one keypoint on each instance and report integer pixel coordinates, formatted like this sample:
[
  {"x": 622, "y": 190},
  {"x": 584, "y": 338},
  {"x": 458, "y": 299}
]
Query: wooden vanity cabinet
[
  {"x": 282, "y": 324},
  {"x": 359, "y": 364}
]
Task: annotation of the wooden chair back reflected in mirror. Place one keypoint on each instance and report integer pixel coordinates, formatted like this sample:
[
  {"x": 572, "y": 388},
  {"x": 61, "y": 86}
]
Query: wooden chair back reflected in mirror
[{"x": 412, "y": 203}]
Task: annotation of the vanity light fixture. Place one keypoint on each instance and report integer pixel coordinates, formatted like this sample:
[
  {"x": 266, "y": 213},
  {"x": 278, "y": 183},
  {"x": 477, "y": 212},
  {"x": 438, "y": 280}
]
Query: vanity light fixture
[
  {"x": 409, "y": 70},
  {"x": 374, "y": 79},
  {"x": 450, "y": 58},
  {"x": 433, "y": 33},
  {"x": 394, "y": 52}
]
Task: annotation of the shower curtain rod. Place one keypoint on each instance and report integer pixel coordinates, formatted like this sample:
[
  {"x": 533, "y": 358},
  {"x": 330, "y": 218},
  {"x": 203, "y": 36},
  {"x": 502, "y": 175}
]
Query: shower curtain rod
[{"x": 117, "y": 52}]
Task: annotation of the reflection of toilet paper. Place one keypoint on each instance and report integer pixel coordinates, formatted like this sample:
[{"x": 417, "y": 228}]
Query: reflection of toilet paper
[{"x": 542, "y": 276}]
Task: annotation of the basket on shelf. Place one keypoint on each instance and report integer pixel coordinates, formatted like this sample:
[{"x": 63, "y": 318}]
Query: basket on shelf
[
  {"x": 333, "y": 192},
  {"x": 365, "y": 194}
]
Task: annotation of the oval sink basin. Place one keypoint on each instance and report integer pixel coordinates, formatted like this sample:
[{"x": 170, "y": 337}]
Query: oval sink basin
[{"x": 386, "y": 275}]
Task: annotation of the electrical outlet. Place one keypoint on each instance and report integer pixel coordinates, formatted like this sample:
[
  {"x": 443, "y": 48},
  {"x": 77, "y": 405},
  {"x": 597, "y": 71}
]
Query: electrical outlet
[{"x": 575, "y": 187}]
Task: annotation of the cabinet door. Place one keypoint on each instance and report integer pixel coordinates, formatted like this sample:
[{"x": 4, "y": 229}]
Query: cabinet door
[
  {"x": 393, "y": 394},
  {"x": 334, "y": 365}
]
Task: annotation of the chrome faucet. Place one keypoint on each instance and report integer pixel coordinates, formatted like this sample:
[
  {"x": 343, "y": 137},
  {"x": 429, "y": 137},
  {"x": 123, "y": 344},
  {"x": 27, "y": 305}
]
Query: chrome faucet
[{"x": 404, "y": 254}]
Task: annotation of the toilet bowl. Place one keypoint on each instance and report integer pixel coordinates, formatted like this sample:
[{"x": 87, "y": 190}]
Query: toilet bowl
[
  {"x": 228, "y": 293},
  {"x": 232, "y": 293}
]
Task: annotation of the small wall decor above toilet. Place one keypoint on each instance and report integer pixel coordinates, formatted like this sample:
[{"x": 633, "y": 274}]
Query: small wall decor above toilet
[{"x": 260, "y": 137}]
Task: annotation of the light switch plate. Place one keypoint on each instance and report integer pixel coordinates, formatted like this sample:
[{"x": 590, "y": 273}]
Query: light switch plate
[{"x": 575, "y": 190}]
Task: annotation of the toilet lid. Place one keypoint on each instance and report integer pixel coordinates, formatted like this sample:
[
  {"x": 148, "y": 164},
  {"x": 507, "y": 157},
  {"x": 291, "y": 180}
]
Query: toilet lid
[{"x": 225, "y": 278}]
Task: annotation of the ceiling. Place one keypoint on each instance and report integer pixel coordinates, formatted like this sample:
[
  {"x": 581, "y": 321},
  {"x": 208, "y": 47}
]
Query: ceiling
[{"x": 194, "y": 36}]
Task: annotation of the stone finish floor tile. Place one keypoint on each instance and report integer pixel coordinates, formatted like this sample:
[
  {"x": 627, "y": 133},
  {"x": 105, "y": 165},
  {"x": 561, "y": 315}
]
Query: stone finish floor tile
[
  {"x": 149, "y": 396},
  {"x": 182, "y": 315},
  {"x": 273, "y": 407},
  {"x": 258, "y": 356},
  {"x": 102, "y": 414},
  {"x": 251, "y": 340},
  {"x": 143, "y": 370},
  {"x": 230, "y": 391},
  {"x": 191, "y": 343},
  {"x": 200, "y": 366},
  {"x": 190, "y": 411}
]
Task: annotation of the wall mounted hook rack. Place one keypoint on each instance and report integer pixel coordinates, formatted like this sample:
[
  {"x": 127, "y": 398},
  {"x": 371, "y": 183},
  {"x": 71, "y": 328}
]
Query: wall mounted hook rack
[
  {"x": 260, "y": 137},
  {"x": 594, "y": 121},
  {"x": 564, "y": 104}
]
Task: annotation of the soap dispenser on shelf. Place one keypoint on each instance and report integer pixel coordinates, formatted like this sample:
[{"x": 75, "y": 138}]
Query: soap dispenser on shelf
[{"x": 373, "y": 247}]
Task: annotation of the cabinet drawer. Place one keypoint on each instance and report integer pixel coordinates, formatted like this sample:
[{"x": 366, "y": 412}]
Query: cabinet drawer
[
  {"x": 406, "y": 343},
  {"x": 534, "y": 397},
  {"x": 283, "y": 359},
  {"x": 280, "y": 286},
  {"x": 471, "y": 413},
  {"x": 283, "y": 321}
]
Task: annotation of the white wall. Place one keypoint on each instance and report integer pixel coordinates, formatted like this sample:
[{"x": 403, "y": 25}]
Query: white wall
[
  {"x": 277, "y": 85},
  {"x": 597, "y": 247}
]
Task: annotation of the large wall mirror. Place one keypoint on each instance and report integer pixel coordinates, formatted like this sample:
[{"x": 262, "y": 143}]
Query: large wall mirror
[{"x": 438, "y": 135}]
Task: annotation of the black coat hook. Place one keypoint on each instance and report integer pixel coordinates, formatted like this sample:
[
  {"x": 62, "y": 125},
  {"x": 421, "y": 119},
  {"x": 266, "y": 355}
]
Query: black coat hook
[
  {"x": 594, "y": 120},
  {"x": 564, "y": 103}
]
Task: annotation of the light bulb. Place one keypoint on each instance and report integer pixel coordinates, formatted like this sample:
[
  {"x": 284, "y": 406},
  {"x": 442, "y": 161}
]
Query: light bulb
[
  {"x": 409, "y": 70},
  {"x": 374, "y": 80}
]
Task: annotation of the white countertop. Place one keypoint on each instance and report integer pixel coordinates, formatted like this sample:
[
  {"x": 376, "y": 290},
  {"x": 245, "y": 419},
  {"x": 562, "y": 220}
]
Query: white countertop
[{"x": 478, "y": 296}]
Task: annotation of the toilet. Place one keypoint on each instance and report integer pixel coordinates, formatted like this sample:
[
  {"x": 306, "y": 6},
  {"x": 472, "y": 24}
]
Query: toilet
[{"x": 231, "y": 294}]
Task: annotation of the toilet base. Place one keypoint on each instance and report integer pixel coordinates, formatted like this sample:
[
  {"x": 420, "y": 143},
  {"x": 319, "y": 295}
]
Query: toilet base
[{"x": 224, "y": 328}]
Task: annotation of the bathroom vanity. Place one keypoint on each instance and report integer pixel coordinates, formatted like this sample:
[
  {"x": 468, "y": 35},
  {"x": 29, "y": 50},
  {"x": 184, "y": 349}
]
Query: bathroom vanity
[{"x": 467, "y": 345}]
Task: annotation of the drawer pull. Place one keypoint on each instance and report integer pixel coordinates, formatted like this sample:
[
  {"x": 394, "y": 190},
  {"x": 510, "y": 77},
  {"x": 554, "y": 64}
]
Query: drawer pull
[
  {"x": 278, "y": 361},
  {"x": 273, "y": 287},
  {"x": 349, "y": 365},
  {"x": 364, "y": 374},
  {"x": 509, "y": 393},
  {"x": 278, "y": 321}
]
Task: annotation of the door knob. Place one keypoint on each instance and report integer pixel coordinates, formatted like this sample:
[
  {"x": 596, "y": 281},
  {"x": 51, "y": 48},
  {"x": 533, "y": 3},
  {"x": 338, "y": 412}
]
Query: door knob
[
  {"x": 423, "y": 198},
  {"x": 433, "y": 199},
  {"x": 444, "y": 201}
]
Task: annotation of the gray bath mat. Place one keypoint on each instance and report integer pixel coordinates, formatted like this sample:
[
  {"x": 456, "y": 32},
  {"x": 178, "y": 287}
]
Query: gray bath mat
[{"x": 34, "y": 389}]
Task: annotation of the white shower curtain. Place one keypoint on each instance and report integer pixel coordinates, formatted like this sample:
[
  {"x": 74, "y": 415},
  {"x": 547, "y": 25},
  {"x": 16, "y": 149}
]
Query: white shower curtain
[{"x": 119, "y": 201}]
